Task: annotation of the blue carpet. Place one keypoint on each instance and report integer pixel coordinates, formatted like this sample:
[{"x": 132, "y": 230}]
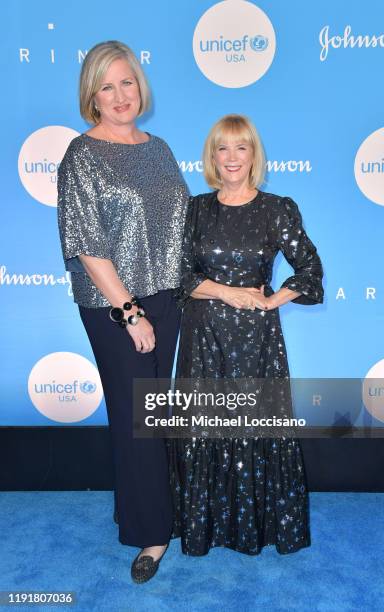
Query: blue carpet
[{"x": 67, "y": 541}]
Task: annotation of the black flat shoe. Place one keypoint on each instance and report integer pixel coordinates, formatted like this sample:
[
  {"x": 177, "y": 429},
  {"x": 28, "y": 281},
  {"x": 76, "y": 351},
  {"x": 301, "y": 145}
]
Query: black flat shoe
[{"x": 144, "y": 567}]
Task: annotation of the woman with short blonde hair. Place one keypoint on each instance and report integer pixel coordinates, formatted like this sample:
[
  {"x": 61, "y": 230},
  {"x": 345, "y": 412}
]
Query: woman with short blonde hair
[
  {"x": 233, "y": 128},
  {"x": 94, "y": 67},
  {"x": 122, "y": 204},
  {"x": 246, "y": 491}
]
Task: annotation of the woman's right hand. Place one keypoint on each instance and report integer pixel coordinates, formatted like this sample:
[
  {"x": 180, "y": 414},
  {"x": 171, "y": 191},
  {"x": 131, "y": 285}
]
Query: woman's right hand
[
  {"x": 248, "y": 298},
  {"x": 142, "y": 335}
]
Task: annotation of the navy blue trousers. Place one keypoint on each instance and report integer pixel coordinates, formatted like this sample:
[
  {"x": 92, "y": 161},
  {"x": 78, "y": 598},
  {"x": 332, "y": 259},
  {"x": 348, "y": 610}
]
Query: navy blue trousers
[{"x": 142, "y": 491}]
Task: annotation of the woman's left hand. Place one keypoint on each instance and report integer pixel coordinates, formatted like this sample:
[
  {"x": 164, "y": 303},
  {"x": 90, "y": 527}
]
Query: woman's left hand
[{"x": 262, "y": 302}]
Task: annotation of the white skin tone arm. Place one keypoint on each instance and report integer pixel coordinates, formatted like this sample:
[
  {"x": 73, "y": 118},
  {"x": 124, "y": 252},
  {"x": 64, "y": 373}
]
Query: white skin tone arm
[
  {"x": 103, "y": 274},
  {"x": 243, "y": 297}
]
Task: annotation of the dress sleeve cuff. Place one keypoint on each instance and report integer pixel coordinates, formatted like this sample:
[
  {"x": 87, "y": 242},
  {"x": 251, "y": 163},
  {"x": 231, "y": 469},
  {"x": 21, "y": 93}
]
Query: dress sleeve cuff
[
  {"x": 311, "y": 291},
  {"x": 183, "y": 293}
]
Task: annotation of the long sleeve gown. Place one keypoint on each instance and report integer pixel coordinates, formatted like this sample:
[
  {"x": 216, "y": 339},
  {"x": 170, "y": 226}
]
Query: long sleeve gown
[{"x": 242, "y": 493}]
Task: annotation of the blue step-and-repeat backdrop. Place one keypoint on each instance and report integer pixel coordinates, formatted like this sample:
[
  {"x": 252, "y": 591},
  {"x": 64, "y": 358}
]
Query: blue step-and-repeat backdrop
[{"x": 310, "y": 76}]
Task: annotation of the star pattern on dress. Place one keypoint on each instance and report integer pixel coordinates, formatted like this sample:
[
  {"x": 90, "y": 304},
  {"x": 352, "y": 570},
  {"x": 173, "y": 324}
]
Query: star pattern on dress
[{"x": 254, "y": 489}]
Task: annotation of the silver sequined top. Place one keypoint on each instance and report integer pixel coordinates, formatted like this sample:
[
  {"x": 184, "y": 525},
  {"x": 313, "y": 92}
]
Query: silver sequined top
[{"x": 126, "y": 203}]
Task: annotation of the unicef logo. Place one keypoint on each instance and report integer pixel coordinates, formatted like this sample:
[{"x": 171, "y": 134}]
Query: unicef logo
[
  {"x": 373, "y": 391},
  {"x": 259, "y": 43},
  {"x": 369, "y": 167},
  {"x": 39, "y": 159},
  {"x": 88, "y": 387},
  {"x": 56, "y": 391},
  {"x": 225, "y": 53}
]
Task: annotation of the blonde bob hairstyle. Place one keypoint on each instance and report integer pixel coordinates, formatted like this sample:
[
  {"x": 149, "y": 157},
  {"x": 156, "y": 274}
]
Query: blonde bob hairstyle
[
  {"x": 233, "y": 128},
  {"x": 95, "y": 65}
]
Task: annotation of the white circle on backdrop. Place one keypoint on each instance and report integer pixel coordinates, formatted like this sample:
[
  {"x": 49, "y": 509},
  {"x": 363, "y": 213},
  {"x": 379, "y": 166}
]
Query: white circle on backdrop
[
  {"x": 373, "y": 391},
  {"x": 369, "y": 167},
  {"x": 39, "y": 157},
  {"x": 65, "y": 387},
  {"x": 234, "y": 43}
]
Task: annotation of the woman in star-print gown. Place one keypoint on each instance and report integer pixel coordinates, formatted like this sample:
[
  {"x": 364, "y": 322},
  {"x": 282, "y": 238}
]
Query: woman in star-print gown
[{"x": 242, "y": 493}]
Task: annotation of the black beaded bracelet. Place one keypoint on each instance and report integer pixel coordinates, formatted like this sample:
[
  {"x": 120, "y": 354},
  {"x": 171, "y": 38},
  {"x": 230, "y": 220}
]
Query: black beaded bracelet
[
  {"x": 135, "y": 302},
  {"x": 116, "y": 314}
]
